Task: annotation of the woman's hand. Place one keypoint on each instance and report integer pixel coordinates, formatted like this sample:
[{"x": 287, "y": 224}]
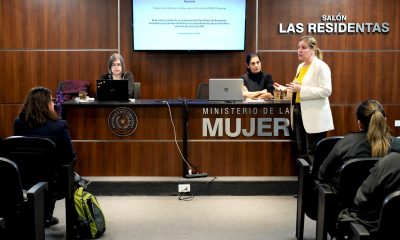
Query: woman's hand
[
  {"x": 294, "y": 86},
  {"x": 279, "y": 87}
]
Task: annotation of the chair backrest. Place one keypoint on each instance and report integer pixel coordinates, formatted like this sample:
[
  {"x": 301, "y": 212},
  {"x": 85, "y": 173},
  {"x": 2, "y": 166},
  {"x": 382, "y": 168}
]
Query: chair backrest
[
  {"x": 11, "y": 188},
  {"x": 71, "y": 88},
  {"x": 136, "y": 90},
  {"x": 35, "y": 157},
  {"x": 352, "y": 175},
  {"x": 322, "y": 150},
  {"x": 390, "y": 217},
  {"x": 202, "y": 91}
]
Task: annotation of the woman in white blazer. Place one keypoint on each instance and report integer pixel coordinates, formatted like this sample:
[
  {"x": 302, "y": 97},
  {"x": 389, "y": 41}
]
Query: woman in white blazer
[{"x": 312, "y": 116}]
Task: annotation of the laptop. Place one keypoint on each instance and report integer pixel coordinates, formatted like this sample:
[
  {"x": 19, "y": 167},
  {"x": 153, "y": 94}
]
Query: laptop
[
  {"x": 112, "y": 90},
  {"x": 228, "y": 89}
]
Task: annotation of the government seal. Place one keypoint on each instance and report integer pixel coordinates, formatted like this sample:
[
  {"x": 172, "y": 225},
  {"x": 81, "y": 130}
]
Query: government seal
[{"x": 122, "y": 121}]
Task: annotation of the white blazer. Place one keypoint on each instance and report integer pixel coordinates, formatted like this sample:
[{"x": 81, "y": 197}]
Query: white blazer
[{"x": 316, "y": 87}]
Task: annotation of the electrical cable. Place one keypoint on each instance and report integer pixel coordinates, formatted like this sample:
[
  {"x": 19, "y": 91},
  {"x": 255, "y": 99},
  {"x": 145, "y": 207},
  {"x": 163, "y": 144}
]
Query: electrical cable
[
  {"x": 189, "y": 196},
  {"x": 176, "y": 141}
]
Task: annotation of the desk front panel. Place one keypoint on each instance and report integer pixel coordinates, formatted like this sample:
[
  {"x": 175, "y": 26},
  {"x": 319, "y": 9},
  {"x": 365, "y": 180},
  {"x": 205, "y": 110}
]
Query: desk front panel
[
  {"x": 245, "y": 140},
  {"x": 149, "y": 151},
  {"x": 241, "y": 139}
]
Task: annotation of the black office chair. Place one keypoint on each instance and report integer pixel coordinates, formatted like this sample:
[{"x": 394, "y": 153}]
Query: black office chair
[
  {"x": 39, "y": 160},
  {"x": 331, "y": 202},
  {"x": 389, "y": 221},
  {"x": 307, "y": 196},
  {"x": 202, "y": 91},
  {"x": 20, "y": 217},
  {"x": 136, "y": 90}
]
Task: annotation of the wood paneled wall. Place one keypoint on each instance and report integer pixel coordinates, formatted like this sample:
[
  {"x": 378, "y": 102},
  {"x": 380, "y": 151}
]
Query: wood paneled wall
[{"x": 43, "y": 42}]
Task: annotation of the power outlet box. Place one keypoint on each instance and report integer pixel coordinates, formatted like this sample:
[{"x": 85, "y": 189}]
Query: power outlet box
[{"x": 183, "y": 188}]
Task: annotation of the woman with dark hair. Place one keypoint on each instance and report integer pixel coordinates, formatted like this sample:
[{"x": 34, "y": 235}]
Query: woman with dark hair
[
  {"x": 257, "y": 84},
  {"x": 38, "y": 118},
  {"x": 373, "y": 140},
  {"x": 116, "y": 71}
]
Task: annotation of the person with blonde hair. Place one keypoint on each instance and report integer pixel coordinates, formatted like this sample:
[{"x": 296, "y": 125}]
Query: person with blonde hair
[
  {"x": 372, "y": 140},
  {"x": 311, "y": 116}
]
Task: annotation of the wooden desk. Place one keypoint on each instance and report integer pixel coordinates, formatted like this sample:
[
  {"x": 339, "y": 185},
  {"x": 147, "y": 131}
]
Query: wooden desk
[{"x": 151, "y": 149}]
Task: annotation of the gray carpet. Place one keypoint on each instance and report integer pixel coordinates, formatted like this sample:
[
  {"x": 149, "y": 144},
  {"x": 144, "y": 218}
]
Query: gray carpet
[{"x": 204, "y": 217}]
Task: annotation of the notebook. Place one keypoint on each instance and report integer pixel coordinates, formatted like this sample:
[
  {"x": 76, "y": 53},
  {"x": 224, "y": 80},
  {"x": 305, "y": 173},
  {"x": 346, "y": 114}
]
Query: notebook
[
  {"x": 226, "y": 89},
  {"x": 112, "y": 90}
]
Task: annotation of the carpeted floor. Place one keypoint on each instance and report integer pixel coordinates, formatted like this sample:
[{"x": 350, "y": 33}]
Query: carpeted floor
[{"x": 203, "y": 217}]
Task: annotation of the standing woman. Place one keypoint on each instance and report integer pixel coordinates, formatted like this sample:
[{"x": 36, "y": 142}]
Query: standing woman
[
  {"x": 116, "y": 71},
  {"x": 312, "y": 116}
]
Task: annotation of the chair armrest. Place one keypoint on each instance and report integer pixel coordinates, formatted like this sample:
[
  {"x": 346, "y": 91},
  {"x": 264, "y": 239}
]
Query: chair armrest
[
  {"x": 2, "y": 223},
  {"x": 326, "y": 197},
  {"x": 37, "y": 190},
  {"x": 359, "y": 232},
  {"x": 35, "y": 206},
  {"x": 303, "y": 188},
  {"x": 68, "y": 186}
]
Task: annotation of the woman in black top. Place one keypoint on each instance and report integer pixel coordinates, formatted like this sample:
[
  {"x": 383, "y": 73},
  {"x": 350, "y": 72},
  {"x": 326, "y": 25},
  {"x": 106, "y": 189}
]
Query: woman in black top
[
  {"x": 116, "y": 71},
  {"x": 257, "y": 84},
  {"x": 373, "y": 140}
]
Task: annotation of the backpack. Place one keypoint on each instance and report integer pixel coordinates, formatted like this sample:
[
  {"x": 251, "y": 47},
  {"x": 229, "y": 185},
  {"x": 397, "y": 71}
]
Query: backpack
[{"x": 91, "y": 223}]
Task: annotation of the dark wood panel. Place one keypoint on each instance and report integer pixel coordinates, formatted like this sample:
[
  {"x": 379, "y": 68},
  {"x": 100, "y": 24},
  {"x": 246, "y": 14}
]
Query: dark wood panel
[
  {"x": 8, "y": 113},
  {"x": 310, "y": 11},
  {"x": 24, "y": 70},
  {"x": 128, "y": 159},
  {"x": 72, "y": 24},
  {"x": 153, "y": 123},
  {"x": 244, "y": 158}
]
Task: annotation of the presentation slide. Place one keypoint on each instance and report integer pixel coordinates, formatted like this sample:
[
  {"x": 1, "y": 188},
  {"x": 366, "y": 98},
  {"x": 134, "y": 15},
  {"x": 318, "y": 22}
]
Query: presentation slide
[{"x": 189, "y": 24}]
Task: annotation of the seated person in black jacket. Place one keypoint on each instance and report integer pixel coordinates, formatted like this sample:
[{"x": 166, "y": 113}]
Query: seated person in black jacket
[
  {"x": 38, "y": 118},
  {"x": 373, "y": 140},
  {"x": 116, "y": 71},
  {"x": 383, "y": 180},
  {"x": 257, "y": 84}
]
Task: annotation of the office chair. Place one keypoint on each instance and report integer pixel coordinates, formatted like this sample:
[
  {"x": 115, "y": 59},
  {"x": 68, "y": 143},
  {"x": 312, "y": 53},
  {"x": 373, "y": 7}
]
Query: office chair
[
  {"x": 331, "y": 202},
  {"x": 20, "y": 217},
  {"x": 388, "y": 221},
  {"x": 136, "y": 90},
  {"x": 307, "y": 197},
  {"x": 71, "y": 88},
  {"x": 202, "y": 91},
  {"x": 39, "y": 160}
]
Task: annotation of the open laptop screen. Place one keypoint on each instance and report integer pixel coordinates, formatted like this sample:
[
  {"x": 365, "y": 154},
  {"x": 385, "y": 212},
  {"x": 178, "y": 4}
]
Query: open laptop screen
[
  {"x": 226, "y": 89},
  {"x": 112, "y": 90}
]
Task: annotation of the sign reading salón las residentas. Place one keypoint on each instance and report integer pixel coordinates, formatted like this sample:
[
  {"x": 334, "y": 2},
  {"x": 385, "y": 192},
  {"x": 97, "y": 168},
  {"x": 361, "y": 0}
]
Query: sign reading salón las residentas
[
  {"x": 335, "y": 24},
  {"x": 236, "y": 122}
]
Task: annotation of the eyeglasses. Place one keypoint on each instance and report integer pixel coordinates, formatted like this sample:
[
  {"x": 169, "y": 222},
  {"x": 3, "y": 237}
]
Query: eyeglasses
[{"x": 116, "y": 65}]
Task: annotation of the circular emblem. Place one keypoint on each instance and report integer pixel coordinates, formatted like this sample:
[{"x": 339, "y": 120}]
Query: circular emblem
[{"x": 122, "y": 121}]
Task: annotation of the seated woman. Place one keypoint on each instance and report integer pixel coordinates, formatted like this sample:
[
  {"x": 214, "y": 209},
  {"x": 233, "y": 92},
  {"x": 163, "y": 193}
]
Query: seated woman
[
  {"x": 373, "y": 140},
  {"x": 383, "y": 180},
  {"x": 257, "y": 84},
  {"x": 38, "y": 118},
  {"x": 116, "y": 71}
]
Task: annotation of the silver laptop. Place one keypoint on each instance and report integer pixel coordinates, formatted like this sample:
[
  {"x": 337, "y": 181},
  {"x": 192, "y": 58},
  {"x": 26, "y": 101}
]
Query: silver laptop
[{"x": 227, "y": 89}]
